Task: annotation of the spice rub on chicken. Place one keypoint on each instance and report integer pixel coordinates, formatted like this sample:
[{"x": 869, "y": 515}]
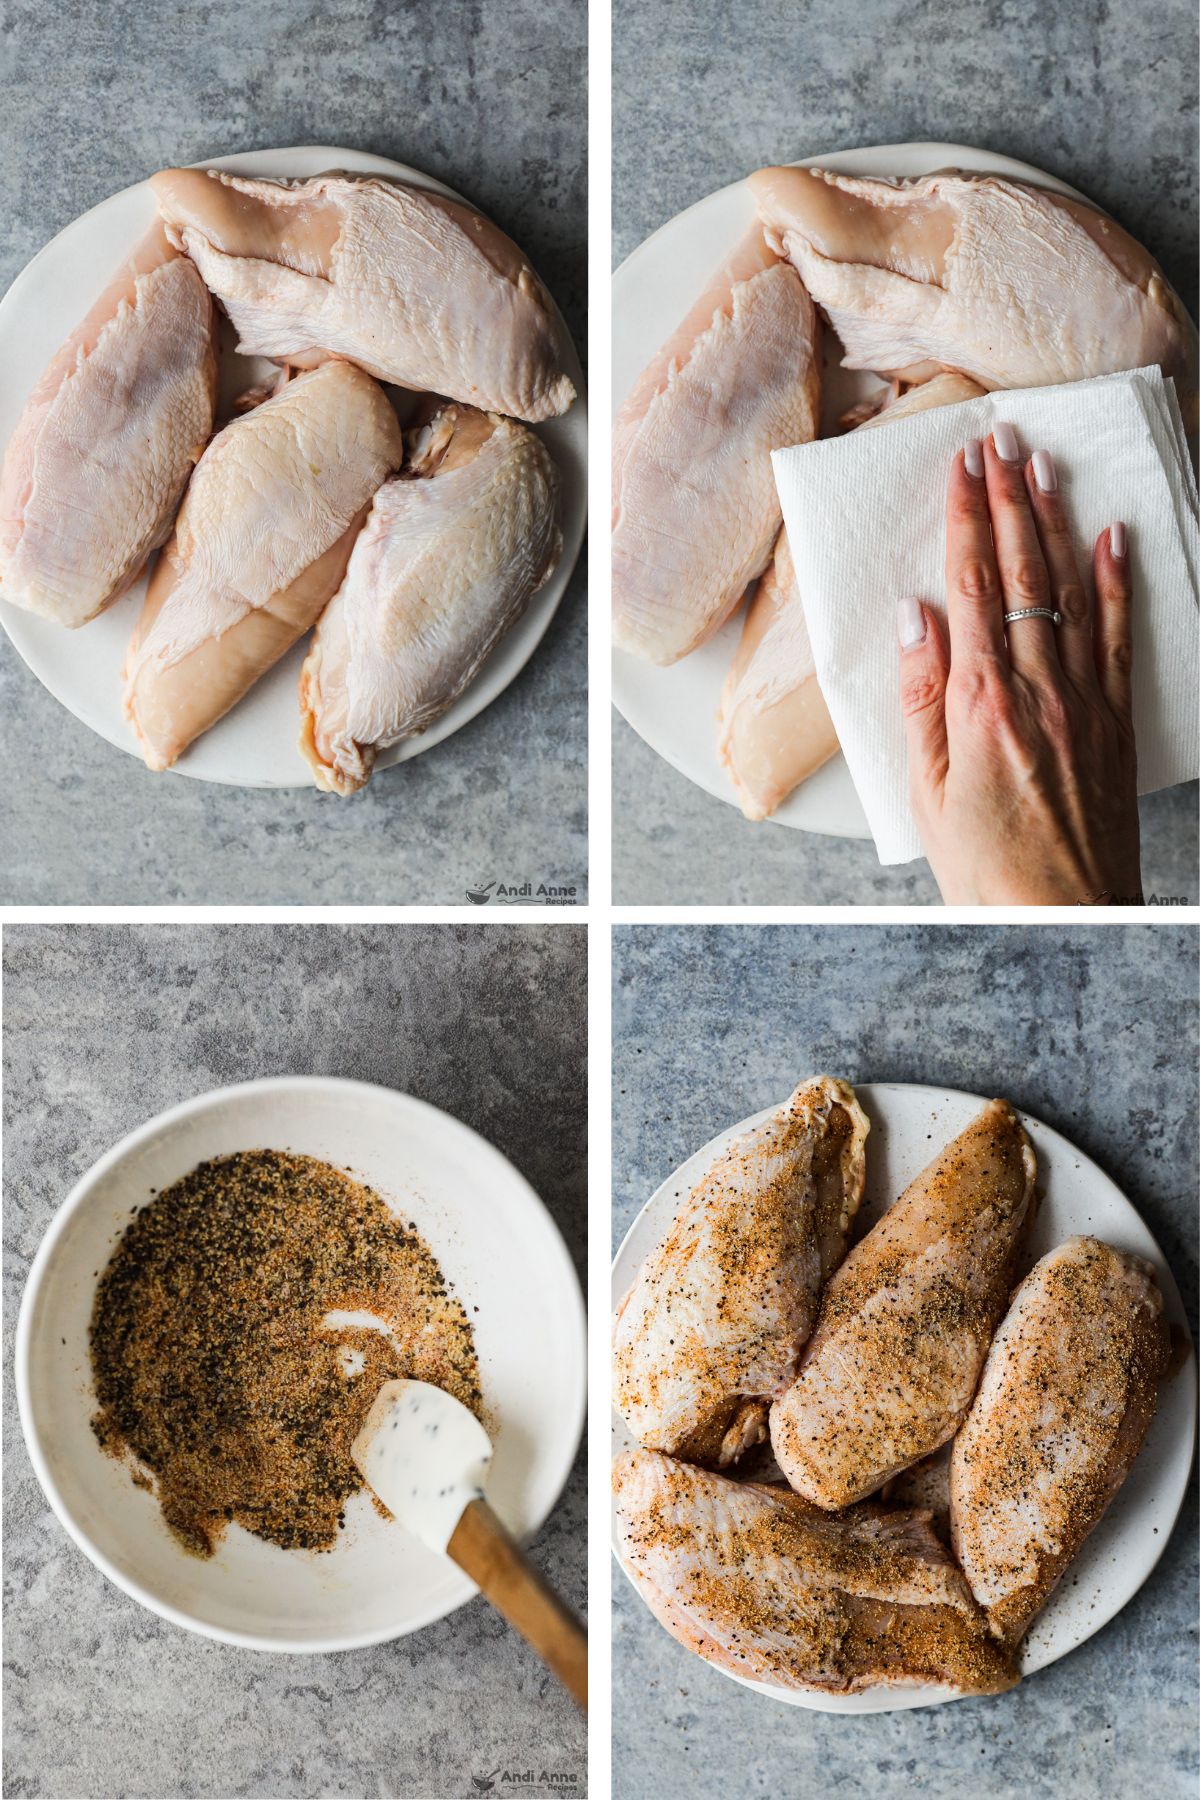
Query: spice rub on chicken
[
  {"x": 1068, "y": 1391},
  {"x": 765, "y": 1586},
  {"x": 905, "y": 1322},
  {"x": 714, "y": 1325}
]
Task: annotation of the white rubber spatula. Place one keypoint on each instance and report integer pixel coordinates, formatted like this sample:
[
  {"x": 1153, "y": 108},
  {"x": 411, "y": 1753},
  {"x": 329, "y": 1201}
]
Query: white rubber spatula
[{"x": 427, "y": 1457}]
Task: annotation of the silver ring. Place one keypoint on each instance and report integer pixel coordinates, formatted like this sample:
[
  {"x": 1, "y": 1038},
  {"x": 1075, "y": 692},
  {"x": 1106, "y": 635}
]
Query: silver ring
[{"x": 1034, "y": 612}]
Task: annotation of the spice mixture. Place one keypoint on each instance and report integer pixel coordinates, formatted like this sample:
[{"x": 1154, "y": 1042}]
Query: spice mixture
[{"x": 213, "y": 1362}]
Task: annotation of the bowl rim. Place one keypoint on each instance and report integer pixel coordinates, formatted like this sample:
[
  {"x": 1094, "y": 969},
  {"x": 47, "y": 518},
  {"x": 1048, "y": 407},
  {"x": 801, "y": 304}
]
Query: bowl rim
[{"x": 78, "y": 1197}]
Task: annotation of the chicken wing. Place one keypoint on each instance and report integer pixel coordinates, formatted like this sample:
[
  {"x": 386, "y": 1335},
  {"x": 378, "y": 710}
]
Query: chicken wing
[
  {"x": 695, "y": 512},
  {"x": 773, "y": 727},
  {"x": 450, "y": 556},
  {"x": 1067, "y": 1394},
  {"x": 95, "y": 468},
  {"x": 415, "y": 288},
  {"x": 260, "y": 546},
  {"x": 764, "y": 1586},
  {"x": 905, "y": 1323},
  {"x": 1011, "y": 284},
  {"x": 714, "y": 1325}
]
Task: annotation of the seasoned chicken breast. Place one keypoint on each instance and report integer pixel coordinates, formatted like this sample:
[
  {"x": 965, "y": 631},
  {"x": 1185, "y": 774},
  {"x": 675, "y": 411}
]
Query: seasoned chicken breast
[
  {"x": 756, "y": 1581},
  {"x": 773, "y": 727},
  {"x": 1010, "y": 284},
  {"x": 450, "y": 555},
  {"x": 1068, "y": 1391},
  {"x": 259, "y": 549},
  {"x": 926, "y": 1486},
  {"x": 905, "y": 1323},
  {"x": 716, "y": 1320},
  {"x": 101, "y": 454},
  {"x": 415, "y": 288},
  {"x": 695, "y": 512}
]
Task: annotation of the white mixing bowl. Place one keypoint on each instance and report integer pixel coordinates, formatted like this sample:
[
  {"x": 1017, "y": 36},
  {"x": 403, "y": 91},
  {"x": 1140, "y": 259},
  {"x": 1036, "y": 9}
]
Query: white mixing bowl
[{"x": 498, "y": 1248}]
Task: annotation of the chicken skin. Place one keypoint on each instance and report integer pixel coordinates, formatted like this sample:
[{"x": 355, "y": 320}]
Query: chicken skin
[
  {"x": 764, "y": 1586},
  {"x": 774, "y": 728},
  {"x": 905, "y": 1323},
  {"x": 415, "y": 288},
  {"x": 1010, "y": 284},
  {"x": 695, "y": 512},
  {"x": 1067, "y": 1394},
  {"x": 713, "y": 1327},
  {"x": 96, "y": 466},
  {"x": 260, "y": 547},
  {"x": 450, "y": 555}
]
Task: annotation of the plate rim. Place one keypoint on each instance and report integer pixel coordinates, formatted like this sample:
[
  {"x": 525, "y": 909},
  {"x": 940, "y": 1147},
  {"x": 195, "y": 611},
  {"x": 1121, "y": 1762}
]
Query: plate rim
[
  {"x": 159, "y": 1125},
  {"x": 906, "y": 1695},
  {"x": 528, "y": 632}
]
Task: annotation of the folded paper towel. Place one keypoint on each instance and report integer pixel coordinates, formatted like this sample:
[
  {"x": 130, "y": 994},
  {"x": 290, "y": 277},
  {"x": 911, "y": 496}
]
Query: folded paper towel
[{"x": 866, "y": 521}]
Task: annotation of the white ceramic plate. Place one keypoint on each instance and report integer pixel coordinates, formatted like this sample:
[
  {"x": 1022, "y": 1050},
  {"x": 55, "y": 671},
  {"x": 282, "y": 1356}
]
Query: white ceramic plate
[
  {"x": 675, "y": 709},
  {"x": 909, "y": 1125},
  {"x": 255, "y": 745},
  {"x": 498, "y": 1248}
]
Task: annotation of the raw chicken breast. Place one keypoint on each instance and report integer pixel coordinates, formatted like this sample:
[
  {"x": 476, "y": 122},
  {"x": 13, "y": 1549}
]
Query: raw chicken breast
[
  {"x": 940, "y": 390},
  {"x": 773, "y": 727},
  {"x": 448, "y": 559},
  {"x": 714, "y": 1325},
  {"x": 260, "y": 547},
  {"x": 764, "y": 1586},
  {"x": 1012, "y": 285},
  {"x": 415, "y": 288},
  {"x": 905, "y": 1323},
  {"x": 695, "y": 512},
  {"x": 1068, "y": 1391},
  {"x": 107, "y": 440}
]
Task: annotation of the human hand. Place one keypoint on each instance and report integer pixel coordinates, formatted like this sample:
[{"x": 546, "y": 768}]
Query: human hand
[{"x": 1022, "y": 772}]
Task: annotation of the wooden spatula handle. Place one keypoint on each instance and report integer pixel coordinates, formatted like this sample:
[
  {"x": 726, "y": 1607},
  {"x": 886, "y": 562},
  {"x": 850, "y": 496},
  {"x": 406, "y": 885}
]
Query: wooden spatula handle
[{"x": 500, "y": 1569}]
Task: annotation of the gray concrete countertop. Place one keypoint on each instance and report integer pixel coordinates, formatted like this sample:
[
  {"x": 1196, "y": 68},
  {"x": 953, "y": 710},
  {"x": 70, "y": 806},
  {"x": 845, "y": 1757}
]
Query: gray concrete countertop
[
  {"x": 704, "y": 91},
  {"x": 1093, "y": 1031},
  {"x": 105, "y": 1026},
  {"x": 491, "y": 100}
]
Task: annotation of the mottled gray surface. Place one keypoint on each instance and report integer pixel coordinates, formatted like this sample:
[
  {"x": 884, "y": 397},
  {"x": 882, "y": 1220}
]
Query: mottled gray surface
[
  {"x": 103, "y": 1027},
  {"x": 1094, "y": 1031},
  {"x": 704, "y": 91},
  {"x": 492, "y": 100}
]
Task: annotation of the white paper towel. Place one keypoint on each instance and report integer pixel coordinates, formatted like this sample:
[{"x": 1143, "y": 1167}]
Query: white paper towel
[{"x": 866, "y": 520}]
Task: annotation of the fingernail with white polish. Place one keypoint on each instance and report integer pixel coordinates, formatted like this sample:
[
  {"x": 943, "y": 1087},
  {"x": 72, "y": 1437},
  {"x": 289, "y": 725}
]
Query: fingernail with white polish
[
  {"x": 1005, "y": 440},
  {"x": 973, "y": 458},
  {"x": 910, "y": 623},
  {"x": 1044, "y": 472},
  {"x": 1116, "y": 540}
]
